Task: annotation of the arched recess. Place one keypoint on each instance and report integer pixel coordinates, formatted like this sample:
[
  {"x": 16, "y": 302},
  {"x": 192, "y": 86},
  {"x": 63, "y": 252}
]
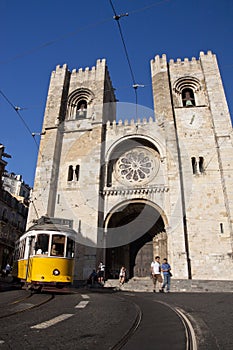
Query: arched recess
[
  {"x": 187, "y": 88},
  {"x": 134, "y": 232},
  {"x": 78, "y": 103},
  {"x": 126, "y": 144}
]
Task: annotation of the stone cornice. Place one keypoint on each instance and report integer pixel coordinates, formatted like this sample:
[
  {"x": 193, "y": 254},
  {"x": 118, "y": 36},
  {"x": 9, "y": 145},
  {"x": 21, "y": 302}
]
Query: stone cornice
[{"x": 114, "y": 191}]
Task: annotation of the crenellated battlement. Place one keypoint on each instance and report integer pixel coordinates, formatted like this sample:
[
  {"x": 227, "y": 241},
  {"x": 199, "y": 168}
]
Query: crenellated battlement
[
  {"x": 186, "y": 62},
  {"x": 90, "y": 72},
  {"x": 84, "y": 73},
  {"x": 132, "y": 123},
  {"x": 193, "y": 60},
  {"x": 61, "y": 67},
  {"x": 208, "y": 54},
  {"x": 59, "y": 70},
  {"x": 100, "y": 63},
  {"x": 159, "y": 64}
]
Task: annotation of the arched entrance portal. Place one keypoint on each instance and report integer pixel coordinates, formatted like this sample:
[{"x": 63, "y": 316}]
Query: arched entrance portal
[{"x": 135, "y": 233}]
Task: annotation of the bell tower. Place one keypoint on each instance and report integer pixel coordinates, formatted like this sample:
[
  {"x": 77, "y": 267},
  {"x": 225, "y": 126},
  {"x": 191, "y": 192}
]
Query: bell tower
[
  {"x": 191, "y": 106},
  {"x": 68, "y": 173}
]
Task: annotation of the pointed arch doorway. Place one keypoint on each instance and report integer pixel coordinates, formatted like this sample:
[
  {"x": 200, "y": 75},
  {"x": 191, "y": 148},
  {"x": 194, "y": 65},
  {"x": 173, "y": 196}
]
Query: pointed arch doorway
[{"x": 135, "y": 232}]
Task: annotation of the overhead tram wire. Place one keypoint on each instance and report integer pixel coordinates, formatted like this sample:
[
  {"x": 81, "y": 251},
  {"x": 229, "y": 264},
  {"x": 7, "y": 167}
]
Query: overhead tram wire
[
  {"x": 69, "y": 34},
  {"x": 141, "y": 9},
  {"x": 135, "y": 85},
  {"x": 17, "y": 109},
  {"x": 52, "y": 42},
  {"x": 117, "y": 17}
]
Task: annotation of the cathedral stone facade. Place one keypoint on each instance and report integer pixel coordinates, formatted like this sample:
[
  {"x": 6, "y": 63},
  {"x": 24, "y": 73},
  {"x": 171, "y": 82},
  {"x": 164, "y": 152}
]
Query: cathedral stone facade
[{"x": 137, "y": 188}]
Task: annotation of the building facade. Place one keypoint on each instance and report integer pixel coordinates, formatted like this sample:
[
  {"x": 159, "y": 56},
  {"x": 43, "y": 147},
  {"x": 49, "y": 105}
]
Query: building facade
[
  {"x": 15, "y": 185},
  {"x": 13, "y": 215},
  {"x": 138, "y": 188}
]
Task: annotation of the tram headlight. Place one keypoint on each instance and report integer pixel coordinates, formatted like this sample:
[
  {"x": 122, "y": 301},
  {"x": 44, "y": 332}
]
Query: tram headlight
[{"x": 56, "y": 272}]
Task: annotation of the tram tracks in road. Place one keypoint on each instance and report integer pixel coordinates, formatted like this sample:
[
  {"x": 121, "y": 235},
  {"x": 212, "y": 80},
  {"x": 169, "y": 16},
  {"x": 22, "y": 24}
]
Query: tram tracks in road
[
  {"x": 131, "y": 330},
  {"x": 29, "y": 302},
  {"x": 191, "y": 343}
]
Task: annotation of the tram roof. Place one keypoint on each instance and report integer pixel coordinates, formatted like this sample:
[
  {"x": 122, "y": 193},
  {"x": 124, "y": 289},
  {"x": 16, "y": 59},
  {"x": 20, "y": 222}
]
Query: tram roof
[
  {"x": 46, "y": 223},
  {"x": 51, "y": 227}
]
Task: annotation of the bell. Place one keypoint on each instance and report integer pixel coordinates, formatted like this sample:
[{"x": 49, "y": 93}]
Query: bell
[
  {"x": 82, "y": 111},
  {"x": 188, "y": 103},
  {"x": 188, "y": 99}
]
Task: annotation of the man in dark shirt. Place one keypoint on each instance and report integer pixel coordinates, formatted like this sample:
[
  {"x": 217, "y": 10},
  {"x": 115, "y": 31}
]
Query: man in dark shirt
[{"x": 166, "y": 274}]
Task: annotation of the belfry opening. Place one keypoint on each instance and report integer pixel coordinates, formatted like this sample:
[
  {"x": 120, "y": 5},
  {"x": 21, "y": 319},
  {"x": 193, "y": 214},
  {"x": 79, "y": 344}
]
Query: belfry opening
[{"x": 135, "y": 232}]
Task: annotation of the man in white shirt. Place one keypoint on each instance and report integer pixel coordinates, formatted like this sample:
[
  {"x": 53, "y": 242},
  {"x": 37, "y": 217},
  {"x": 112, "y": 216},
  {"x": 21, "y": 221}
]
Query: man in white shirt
[{"x": 156, "y": 274}]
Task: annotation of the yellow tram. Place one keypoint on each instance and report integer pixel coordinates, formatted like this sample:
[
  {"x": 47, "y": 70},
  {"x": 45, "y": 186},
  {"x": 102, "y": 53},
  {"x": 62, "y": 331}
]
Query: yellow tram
[{"x": 44, "y": 256}]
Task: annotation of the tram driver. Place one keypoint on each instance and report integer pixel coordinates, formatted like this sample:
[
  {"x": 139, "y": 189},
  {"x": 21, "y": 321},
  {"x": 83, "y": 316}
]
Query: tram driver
[{"x": 54, "y": 250}]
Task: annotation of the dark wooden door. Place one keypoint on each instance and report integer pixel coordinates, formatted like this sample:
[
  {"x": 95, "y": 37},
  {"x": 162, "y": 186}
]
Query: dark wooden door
[{"x": 143, "y": 260}]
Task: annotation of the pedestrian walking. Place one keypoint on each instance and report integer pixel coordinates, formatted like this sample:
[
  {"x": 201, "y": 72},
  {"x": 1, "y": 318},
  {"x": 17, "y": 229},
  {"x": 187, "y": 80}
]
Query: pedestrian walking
[
  {"x": 8, "y": 269},
  {"x": 100, "y": 273},
  {"x": 122, "y": 275},
  {"x": 156, "y": 274},
  {"x": 166, "y": 270}
]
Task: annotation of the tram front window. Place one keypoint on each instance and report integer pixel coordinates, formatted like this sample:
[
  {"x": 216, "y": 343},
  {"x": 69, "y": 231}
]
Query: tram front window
[
  {"x": 42, "y": 244},
  {"x": 57, "y": 245}
]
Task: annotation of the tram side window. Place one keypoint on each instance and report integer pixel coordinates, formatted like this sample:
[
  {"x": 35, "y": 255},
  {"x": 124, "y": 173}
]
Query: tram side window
[
  {"x": 31, "y": 242},
  {"x": 57, "y": 246},
  {"x": 70, "y": 248},
  {"x": 42, "y": 244},
  {"x": 22, "y": 245}
]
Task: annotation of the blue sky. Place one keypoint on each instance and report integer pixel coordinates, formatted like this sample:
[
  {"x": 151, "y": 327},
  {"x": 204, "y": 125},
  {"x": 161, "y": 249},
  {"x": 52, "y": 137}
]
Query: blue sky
[{"x": 38, "y": 35}]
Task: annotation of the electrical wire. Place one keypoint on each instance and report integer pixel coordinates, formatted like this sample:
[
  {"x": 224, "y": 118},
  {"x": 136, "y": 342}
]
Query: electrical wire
[
  {"x": 69, "y": 34},
  {"x": 117, "y": 17},
  {"x": 135, "y": 85},
  {"x": 52, "y": 42},
  {"x": 17, "y": 109},
  {"x": 149, "y": 6}
]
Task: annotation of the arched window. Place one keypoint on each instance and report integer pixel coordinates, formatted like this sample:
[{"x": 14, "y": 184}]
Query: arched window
[
  {"x": 109, "y": 173},
  {"x": 188, "y": 97},
  {"x": 194, "y": 165},
  {"x": 70, "y": 173},
  {"x": 5, "y": 215},
  {"x": 187, "y": 89},
  {"x": 221, "y": 228},
  {"x": 79, "y": 102},
  {"x": 77, "y": 169},
  {"x": 73, "y": 174},
  {"x": 201, "y": 165}
]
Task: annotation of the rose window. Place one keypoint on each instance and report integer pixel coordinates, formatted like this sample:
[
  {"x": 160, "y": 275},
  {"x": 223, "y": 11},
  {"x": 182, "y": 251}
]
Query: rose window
[{"x": 137, "y": 165}]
